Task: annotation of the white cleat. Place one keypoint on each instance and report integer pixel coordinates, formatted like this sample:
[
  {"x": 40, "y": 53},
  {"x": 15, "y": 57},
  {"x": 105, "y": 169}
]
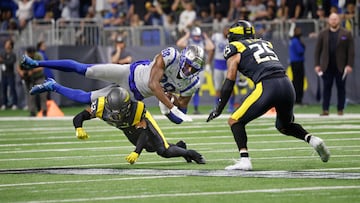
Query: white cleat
[
  {"x": 243, "y": 163},
  {"x": 320, "y": 147}
]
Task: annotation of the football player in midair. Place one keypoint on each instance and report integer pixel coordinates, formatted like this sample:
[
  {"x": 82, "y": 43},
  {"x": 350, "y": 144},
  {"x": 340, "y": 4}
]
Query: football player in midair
[{"x": 170, "y": 71}]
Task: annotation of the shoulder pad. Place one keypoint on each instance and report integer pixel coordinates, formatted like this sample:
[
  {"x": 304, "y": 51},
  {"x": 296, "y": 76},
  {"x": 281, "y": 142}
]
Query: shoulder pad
[
  {"x": 169, "y": 54},
  {"x": 233, "y": 48}
]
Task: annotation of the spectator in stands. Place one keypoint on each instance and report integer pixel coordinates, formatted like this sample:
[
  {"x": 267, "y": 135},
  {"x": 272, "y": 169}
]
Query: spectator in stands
[
  {"x": 205, "y": 6},
  {"x": 349, "y": 15},
  {"x": 187, "y": 17},
  {"x": 71, "y": 9},
  {"x": 257, "y": 10},
  {"x": 39, "y": 9},
  {"x": 201, "y": 39},
  {"x": 7, "y": 66},
  {"x": 24, "y": 12},
  {"x": 237, "y": 11},
  {"x": 297, "y": 58},
  {"x": 137, "y": 7},
  {"x": 152, "y": 16},
  {"x": 33, "y": 77},
  {"x": 7, "y": 21},
  {"x": 111, "y": 18},
  {"x": 120, "y": 55},
  {"x": 334, "y": 59},
  {"x": 293, "y": 9},
  {"x": 222, "y": 6}
]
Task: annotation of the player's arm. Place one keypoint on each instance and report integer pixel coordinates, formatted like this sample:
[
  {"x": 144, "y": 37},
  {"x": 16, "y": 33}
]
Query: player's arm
[
  {"x": 232, "y": 61},
  {"x": 78, "y": 121},
  {"x": 140, "y": 143},
  {"x": 183, "y": 41},
  {"x": 156, "y": 75}
]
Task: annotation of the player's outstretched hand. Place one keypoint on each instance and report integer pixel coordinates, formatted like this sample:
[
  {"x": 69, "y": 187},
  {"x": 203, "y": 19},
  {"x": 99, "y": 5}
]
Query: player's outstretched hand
[
  {"x": 132, "y": 157},
  {"x": 213, "y": 115},
  {"x": 81, "y": 134},
  {"x": 179, "y": 114}
]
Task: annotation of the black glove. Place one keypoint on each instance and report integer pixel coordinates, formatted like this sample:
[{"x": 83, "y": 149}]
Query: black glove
[{"x": 215, "y": 113}]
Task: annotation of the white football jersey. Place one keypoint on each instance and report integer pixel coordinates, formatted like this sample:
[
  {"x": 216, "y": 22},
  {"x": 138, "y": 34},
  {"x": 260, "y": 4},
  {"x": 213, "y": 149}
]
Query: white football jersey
[
  {"x": 220, "y": 42},
  {"x": 170, "y": 82}
]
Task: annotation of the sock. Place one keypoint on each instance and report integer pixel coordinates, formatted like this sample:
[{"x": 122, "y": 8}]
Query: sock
[
  {"x": 307, "y": 138},
  {"x": 65, "y": 65},
  {"x": 73, "y": 94},
  {"x": 196, "y": 99},
  {"x": 244, "y": 153}
]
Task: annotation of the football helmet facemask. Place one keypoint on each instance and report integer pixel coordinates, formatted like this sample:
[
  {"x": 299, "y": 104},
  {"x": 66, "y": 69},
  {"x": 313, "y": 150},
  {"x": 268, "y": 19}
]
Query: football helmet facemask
[{"x": 191, "y": 61}]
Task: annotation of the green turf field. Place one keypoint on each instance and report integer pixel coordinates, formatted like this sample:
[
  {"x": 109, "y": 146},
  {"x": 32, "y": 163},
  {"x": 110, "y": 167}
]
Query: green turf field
[{"x": 42, "y": 161}]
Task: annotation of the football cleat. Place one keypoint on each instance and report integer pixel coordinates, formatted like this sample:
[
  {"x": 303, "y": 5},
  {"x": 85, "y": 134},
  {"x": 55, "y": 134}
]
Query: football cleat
[
  {"x": 28, "y": 63},
  {"x": 243, "y": 163},
  {"x": 320, "y": 147},
  {"x": 47, "y": 86},
  {"x": 198, "y": 158}
]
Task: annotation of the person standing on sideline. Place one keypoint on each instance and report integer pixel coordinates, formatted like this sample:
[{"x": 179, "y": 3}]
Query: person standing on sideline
[
  {"x": 297, "y": 58},
  {"x": 41, "y": 48},
  {"x": 33, "y": 77},
  {"x": 272, "y": 89},
  {"x": 7, "y": 66},
  {"x": 334, "y": 59}
]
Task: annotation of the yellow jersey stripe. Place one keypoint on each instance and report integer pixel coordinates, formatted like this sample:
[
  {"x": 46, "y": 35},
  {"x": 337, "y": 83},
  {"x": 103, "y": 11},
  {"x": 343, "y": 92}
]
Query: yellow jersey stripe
[
  {"x": 139, "y": 109},
  {"x": 239, "y": 46},
  {"x": 252, "y": 98},
  {"x": 153, "y": 122},
  {"x": 100, "y": 107}
]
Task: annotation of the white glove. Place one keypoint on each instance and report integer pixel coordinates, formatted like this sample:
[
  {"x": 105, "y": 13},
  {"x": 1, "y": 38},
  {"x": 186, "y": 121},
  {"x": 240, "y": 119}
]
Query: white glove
[
  {"x": 163, "y": 109},
  {"x": 176, "y": 112}
]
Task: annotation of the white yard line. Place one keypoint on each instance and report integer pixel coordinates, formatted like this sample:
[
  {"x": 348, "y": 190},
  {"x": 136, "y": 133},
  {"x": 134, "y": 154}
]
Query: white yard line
[{"x": 172, "y": 195}]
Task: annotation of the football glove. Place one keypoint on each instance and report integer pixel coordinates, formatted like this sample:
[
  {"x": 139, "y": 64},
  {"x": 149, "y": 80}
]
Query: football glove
[
  {"x": 175, "y": 112},
  {"x": 163, "y": 109},
  {"x": 132, "y": 157},
  {"x": 215, "y": 113},
  {"x": 81, "y": 134}
]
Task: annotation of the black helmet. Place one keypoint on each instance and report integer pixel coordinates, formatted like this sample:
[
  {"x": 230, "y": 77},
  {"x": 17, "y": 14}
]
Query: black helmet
[
  {"x": 118, "y": 103},
  {"x": 241, "y": 30}
]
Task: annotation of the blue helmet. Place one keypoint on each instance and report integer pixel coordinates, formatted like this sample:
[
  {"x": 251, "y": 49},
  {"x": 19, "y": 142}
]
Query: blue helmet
[{"x": 191, "y": 61}]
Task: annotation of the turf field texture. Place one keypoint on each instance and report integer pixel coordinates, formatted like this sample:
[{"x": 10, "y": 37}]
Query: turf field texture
[{"x": 41, "y": 160}]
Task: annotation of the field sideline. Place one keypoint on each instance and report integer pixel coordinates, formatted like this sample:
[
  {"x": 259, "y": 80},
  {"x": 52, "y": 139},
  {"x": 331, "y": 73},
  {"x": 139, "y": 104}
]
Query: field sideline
[{"x": 42, "y": 161}]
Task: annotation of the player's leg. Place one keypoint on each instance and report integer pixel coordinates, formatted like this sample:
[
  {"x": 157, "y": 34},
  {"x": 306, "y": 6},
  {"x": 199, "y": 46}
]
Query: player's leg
[
  {"x": 252, "y": 107},
  {"x": 76, "y": 95},
  {"x": 285, "y": 98},
  {"x": 166, "y": 150},
  {"x": 65, "y": 65}
]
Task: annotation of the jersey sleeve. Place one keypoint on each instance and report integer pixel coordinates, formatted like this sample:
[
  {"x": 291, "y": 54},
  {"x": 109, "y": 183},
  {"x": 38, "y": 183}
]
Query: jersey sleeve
[
  {"x": 169, "y": 55},
  {"x": 233, "y": 48}
]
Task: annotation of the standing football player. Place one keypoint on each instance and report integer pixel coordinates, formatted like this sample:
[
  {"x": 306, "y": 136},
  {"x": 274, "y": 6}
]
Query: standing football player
[{"x": 256, "y": 59}]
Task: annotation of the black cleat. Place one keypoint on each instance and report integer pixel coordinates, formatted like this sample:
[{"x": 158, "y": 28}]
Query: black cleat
[{"x": 198, "y": 158}]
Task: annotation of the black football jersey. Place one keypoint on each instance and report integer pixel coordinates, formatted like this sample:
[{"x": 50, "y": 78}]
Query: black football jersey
[{"x": 258, "y": 59}]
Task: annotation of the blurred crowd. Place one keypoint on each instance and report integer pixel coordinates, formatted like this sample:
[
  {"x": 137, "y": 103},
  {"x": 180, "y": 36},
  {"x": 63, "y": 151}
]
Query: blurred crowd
[{"x": 179, "y": 14}]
